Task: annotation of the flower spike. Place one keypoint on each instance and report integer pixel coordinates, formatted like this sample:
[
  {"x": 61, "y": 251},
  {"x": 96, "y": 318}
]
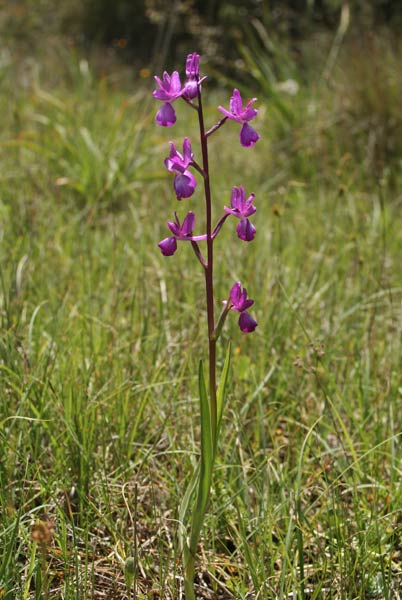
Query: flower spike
[{"x": 182, "y": 165}]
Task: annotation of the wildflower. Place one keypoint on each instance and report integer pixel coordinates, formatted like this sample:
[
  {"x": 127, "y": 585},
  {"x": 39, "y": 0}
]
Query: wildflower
[
  {"x": 183, "y": 232},
  {"x": 242, "y": 208},
  {"x": 184, "y": 181},
  {"x": 248, "y": 135},
  {"x": 239, "y": 302},
  {"x": 193, "y": 72},
  {"x": 169, "y": 90}
]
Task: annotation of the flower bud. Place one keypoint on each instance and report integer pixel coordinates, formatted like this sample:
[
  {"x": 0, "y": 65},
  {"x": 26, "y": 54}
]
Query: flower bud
[
  {"x": 193, "y": 66},
  {"x": 190, "y": 90}
]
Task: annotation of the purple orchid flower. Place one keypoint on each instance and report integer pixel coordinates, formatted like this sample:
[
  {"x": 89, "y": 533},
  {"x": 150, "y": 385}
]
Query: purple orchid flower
[
  {"x": 169, "y": 90},
  {"x": 193, "y": 73},
  {"x": 242, "y": 208},
  {"x": 239, "y": 302},
  {"x": 184, "y": 181},
  {"x": 183, "y": 232},
  {"x": 248, "y": 135}
]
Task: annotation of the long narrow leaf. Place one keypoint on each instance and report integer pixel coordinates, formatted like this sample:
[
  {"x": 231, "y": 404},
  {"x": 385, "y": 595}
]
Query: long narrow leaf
[
  {"x": 206, "y": 464},
  {"x": 184, "y": 505},
  {"x": 222, "y": 389},
  {"x": 207, "y": 455}
]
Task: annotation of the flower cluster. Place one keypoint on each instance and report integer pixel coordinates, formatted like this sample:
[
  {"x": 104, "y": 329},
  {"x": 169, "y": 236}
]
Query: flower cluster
[{"x": 241, "y": 207}]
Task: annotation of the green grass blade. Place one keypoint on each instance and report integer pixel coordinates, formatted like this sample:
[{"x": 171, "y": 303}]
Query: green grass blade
[
  {"x": 10, "y": 548},
  {"x": 184, "y": 506}
]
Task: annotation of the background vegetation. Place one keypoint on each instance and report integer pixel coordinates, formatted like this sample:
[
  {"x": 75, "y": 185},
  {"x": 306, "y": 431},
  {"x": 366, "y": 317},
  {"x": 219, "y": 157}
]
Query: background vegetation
[{"x": 100, "y": 335}]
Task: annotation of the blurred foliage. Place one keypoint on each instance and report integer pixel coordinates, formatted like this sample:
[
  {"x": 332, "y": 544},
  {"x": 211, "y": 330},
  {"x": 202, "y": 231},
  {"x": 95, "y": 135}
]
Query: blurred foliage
[
  {"x": 368, "y": 89},
  {"x": 144, "y": 29},
  {"x": 327, "y": 70}
]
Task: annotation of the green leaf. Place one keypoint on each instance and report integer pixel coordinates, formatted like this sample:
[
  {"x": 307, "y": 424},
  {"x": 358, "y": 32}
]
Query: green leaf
[
  {"x": 207, "y": 453},
  {"x": 222, "y": 389},
  {"x": 206, "y": 464}
]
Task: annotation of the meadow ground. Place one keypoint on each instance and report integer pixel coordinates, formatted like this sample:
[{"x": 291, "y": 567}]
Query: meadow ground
[{"x": 101, "y": 336}]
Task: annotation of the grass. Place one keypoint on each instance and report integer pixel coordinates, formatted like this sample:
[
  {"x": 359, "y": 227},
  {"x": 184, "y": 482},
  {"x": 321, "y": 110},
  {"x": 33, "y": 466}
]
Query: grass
[{"x": 101, "y": 336}]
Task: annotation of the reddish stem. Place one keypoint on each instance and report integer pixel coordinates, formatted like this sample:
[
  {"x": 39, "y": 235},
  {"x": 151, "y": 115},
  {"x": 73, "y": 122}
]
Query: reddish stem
[{"x": 209, "y": 281}]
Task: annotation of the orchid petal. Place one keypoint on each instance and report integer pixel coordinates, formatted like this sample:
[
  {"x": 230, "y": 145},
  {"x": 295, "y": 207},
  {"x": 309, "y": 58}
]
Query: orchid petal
[
  {"x": 169, "y": 87},
  {"x": 166, "y": 116},
  {"x": 248, "y": 136},
  {"x": 188, "y": 224},
  {"x": 174, "y": 227},
  {"x": 175, "y": 84},
  {"x": 184, "y": 185},
  {"x": 238, "y": 197},
  {"x": 234, "y": 295},
  {"x": 246, "y": 230},
  {"x": 249, "y": 114},
  {"x": 175, "y": 161},
  {"x": 161, "y": 95},
  {"x": 238, "y": 298},
  {"x": 187, "y": 154},
  {"x": 246, "y": 322},
  {"x": 236, "y": 103},
  {"x": 231, "y": 211},
  {"x": 168, "y": 246},
  {"x": 229, "y": 114}
]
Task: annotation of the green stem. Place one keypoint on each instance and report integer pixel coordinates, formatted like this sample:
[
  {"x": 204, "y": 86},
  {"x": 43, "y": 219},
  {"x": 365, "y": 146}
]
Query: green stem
[{"x": 189, "y": 579}]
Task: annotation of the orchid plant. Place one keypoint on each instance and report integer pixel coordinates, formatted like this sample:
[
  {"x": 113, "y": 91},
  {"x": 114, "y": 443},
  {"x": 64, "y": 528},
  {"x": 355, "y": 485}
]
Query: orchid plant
[{"x": 169, "y": 89}]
